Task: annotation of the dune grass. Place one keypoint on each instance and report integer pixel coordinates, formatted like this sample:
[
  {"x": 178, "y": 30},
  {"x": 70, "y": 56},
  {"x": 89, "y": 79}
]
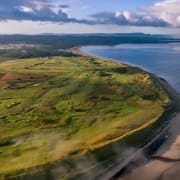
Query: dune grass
[{"x": 59, "y": 107}]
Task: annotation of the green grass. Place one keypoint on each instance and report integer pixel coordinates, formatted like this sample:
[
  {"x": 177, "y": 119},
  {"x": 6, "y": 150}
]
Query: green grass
[{"x": 64, "y": 107}]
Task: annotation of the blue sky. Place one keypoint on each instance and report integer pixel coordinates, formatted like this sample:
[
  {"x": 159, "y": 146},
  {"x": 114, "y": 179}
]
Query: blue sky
[
  {"x": 89, "y": 16},
  {"x": 82, "y": 8}
]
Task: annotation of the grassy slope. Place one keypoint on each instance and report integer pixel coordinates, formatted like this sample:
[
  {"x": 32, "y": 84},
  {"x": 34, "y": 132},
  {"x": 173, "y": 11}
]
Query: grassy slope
[{"x": 62, "y": 107}]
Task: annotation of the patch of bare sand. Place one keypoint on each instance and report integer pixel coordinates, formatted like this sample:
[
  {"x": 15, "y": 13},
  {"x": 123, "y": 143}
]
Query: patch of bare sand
[{"x": 160, "y": 170}]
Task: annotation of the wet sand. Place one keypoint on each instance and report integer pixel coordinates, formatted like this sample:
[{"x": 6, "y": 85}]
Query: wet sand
[{"x": 159, "y": 169}]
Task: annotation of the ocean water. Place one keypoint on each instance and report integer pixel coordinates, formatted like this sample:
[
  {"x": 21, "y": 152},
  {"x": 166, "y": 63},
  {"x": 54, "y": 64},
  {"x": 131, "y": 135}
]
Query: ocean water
[{"x": 161, "y": 59}]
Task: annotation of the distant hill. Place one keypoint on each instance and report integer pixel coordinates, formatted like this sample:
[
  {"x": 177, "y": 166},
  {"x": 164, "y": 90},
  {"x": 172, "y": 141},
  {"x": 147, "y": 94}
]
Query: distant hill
[
  {"x": 67, "y": 41},
  {"x": 50, "y": 44}
]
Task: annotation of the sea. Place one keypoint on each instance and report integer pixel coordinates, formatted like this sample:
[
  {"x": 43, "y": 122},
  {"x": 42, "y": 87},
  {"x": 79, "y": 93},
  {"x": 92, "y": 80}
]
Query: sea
[{"x": 161, "y": 59}]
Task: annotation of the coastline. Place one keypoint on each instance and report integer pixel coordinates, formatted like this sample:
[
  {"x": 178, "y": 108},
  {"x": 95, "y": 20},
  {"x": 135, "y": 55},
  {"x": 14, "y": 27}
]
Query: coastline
[
  {"x": 157, "y": 168},
  {"x": 174, "y": 96},
  {"x": 164, "y": 83},
  {"x": 77, "y": 50}
]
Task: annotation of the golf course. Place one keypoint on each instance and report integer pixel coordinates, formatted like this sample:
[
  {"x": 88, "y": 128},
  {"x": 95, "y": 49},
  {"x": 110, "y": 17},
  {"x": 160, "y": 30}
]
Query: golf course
[{"x": 57, "y": 110}]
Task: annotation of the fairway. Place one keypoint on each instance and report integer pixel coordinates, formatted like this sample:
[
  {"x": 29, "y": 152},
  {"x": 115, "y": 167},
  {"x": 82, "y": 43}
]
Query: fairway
[{"x": 56, "y": 108}]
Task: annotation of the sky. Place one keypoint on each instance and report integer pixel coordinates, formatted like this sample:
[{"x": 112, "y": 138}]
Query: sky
[{"x": 89, "y": 16}]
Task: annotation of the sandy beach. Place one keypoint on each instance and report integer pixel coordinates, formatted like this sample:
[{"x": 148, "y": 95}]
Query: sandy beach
[{"x": 159, "y": 169}]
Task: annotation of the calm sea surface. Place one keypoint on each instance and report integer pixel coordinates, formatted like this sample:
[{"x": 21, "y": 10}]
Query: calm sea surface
[{"x": 161, "y": 59}]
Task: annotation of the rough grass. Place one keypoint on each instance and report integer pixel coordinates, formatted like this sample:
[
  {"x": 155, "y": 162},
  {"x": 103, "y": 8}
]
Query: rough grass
[{"x": 61, "y": 107}]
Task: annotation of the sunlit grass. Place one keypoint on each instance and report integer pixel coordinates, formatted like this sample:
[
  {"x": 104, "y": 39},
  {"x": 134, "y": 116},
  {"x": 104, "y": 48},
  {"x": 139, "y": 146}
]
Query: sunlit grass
[{"x": 54, "y": 108}]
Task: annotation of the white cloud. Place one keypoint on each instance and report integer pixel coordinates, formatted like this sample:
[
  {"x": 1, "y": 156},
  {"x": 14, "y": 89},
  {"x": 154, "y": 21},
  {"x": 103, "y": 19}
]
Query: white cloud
[
  {"x": 25, "y": 9},
  {"x": 35, "y": 10},
  {"x": 161, "y": 14},
  {"x": 166, "y": 10},
  {"x": 118, "y": 14},
  {"x": 164, "y": 13}
]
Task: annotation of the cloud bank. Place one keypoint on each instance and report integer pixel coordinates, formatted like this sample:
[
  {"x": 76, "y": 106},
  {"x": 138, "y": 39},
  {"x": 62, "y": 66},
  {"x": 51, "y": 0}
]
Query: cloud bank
[
  {"x": 164, "y": 13},
  {"x": 128, "y": 18},
  {"x": 161, "y": 14},
  {"x": 166, "y": 10},
  {"x": 34, "y": 10}
]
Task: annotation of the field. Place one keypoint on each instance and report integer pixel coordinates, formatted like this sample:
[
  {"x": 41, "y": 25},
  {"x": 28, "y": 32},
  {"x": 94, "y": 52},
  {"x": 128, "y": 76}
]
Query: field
[{"x": 58, "y": 108}]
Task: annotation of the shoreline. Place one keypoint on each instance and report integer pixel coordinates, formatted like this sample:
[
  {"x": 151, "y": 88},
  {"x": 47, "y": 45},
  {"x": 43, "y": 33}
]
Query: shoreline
[
  {"x": 77, "y": 50},
  {"x": 174, "y": 96},
  {"x": 162, "y": 164},
  {"x": 171, "y": 91},
  {"x": 164, "y": 83}
]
